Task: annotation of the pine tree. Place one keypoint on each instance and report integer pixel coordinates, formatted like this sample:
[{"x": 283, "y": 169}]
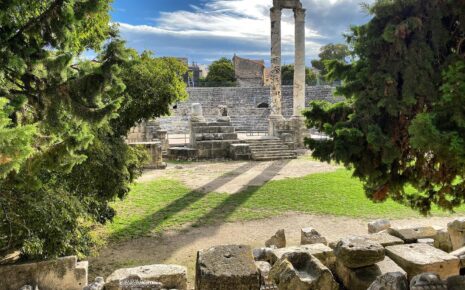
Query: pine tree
[{"x": 402, "y": 124}]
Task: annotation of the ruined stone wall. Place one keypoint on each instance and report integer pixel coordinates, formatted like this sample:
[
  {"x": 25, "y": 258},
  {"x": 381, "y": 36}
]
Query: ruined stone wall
[
  {"x": 248, "y": 107},
  {"x": 249, "y": 73}
]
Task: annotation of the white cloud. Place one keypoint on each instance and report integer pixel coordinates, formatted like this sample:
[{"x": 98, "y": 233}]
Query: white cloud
[{"x": 247, "y": 22}]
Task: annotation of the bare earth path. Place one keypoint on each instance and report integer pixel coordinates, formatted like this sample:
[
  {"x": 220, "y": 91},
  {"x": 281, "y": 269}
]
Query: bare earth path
[{"x": 180, "y": 247}]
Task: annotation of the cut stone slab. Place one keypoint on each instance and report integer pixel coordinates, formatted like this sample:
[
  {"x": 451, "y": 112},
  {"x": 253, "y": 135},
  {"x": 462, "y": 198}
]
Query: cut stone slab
[
  {"x": 170, "y": 276},
  {"x": 411, "y": 235},
  {"x": 378, "y": 226},
  {"x": 362, "y": 278},
  {"x": 427, "y": 281},
  {"x": 310, "y": 236},
  {"x": 456, "y": 283},
  {"x": 384, "y": 239},
  {"x": 456, "y": 231},
  {"x": 277, "y": 241},
  {"x": 460, "y": 254},
  {"x": 421, "y": 258},
  {"x": 390, "y": 281},
  {"x": 323, "y": 253},
  {"x": 63, "y": 273},
  {"x": 264, "y": 269},
  {"x": 302, "y": 271},
  {"x": 227, "y": 268},
  {"x": 358, "y": 252},
  {"x": 442, "y": 241}
]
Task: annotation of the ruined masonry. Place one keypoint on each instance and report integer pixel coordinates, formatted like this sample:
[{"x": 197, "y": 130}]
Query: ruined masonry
[{"x": 392, "y": 259}]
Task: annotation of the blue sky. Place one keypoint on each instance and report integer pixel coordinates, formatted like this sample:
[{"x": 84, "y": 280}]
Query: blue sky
[{"x": 205, "y": 30}]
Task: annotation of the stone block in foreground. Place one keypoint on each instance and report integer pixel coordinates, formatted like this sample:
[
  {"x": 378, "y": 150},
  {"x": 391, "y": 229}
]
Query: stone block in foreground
[
  {"x": 226, "y": 268},
  {"x": 378, "y": 226},
  {"x": 411, "y": 235},
  {"x": 363, "y": 278},
  {"x": 356, "y": 252},
  {"x": 64, "y": 273},
  {"x": 322, "y": 252},
  {"x": 384, "y": 239},
  {"x": 302, "y": 271},
  {"x": 170, "y": 276},
  {"x": 421, "y": 258}
]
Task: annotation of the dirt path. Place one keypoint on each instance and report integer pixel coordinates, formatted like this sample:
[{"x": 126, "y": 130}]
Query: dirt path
[
  {"x": 181, "y": 247},
  {"x": 233, "y": 177}
]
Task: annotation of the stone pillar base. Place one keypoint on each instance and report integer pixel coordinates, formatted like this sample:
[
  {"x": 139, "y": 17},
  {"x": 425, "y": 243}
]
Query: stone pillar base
[
  {"x": 300, "y": 131},
  {"x": 276, "y": 124}
]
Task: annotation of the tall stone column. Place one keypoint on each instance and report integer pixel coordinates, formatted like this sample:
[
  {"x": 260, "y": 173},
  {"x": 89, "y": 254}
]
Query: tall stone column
[
  {"x": 299, "y": 66},
  {"x": 297, "y": 120},
  {"x": 276, "y": 117}
]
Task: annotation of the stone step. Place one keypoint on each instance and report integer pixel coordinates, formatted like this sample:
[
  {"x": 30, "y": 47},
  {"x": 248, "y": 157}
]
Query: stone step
[
  {"x": 279, "y": 147},
  {"x": 278, "y": 156},
  {"x": 215, "y": 136},
  {"x": 270, "y": 158},
  {"x": 213, "y": 129}
]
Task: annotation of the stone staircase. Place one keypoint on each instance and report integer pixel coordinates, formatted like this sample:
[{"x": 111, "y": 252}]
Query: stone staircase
[
  {"x": 213, "y": 139},
  {"x": 270, "y": 149}
]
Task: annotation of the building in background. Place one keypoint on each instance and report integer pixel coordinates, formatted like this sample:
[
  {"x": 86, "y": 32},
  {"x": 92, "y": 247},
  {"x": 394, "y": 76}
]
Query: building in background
[{"x": 249, "y": 73}]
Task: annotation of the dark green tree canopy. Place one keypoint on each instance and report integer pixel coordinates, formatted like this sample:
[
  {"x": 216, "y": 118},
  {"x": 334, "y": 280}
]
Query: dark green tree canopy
[
  {"x": 402, "y": 125},
  {"x": 221, "y": 73},
  {"x": 287, "y": 75},
  {"x": 63, "y": 157},
  {"x": 339, "y": 52}
]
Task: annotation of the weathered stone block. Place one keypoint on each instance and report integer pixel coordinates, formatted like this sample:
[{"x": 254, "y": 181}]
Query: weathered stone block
[
  {"x": 384, "y": 239},
  {"x": 227, "y": 268},
  {"x": 456, "y": 283},
  {"x": 278, "y": 240},
  {"x": 460, "y": 254},
  {"x": 442, "y": 240},
  {"x": 63, "y": 273},
  {"x": 378, "y": 226},
  {"x": 362, "y": 278},
  {"x": 170, "y": 276},
  {"x": 302, "y": 271},
  {"x": 390, "y": 281},
  {"x": 456, "y": 231},
  {"x": 310, "y": 236},
  {"x": 264, "y": 269},
  {"x": 320, "y": 251},
  {"x": 427, "y": 281},
  {"x": 357, "y": 252},
  {"x": 411, "y": 235},
  {"x": 420, "y": 258}
]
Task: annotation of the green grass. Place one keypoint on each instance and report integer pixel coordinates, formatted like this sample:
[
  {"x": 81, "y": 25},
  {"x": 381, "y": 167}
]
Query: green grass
[{"x": 165, "y": 204}]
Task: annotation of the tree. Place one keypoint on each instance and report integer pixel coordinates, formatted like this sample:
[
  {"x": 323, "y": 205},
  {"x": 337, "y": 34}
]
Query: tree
[
  {"x": 331, "y": 51},
  {"x": 402, "y": 125},
  {"x": 287, "y": 75},
  {"x": 221, "y": 73},
  {"x": 62, "y": 122}
]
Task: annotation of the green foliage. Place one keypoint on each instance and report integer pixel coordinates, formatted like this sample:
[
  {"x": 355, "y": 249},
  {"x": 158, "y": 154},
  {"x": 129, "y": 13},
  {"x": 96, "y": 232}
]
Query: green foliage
[
  {"x": 402, "y": 123},
  {"x": 15, "y": 143},
  {"x": 221, "y": 73},
  {"x": 339, "y": 52},
  {"x": 62, "y": 152},
  {"x": 287, "y": 75}
]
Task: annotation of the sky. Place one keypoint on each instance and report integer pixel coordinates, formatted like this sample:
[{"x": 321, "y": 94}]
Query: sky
[{"x": 206, "y": 30}]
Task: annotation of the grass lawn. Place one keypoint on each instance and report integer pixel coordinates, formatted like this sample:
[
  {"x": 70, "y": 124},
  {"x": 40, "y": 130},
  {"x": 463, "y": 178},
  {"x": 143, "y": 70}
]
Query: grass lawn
[{"x": 163, "y": 204}]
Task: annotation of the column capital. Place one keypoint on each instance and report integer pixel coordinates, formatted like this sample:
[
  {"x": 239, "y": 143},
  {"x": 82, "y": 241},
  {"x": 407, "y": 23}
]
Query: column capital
[
  {"x": 299, "y": 14},
  {"x": 276, "y": 11}
]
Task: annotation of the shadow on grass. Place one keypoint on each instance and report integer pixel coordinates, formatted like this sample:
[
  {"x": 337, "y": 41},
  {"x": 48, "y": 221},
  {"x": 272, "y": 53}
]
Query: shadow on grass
[
  {"x": 217, "y": 214},
  {"x": 147, "y": 224}
]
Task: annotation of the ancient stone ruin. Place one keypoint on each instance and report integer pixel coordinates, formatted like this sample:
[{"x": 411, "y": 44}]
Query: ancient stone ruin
[{"x": 389, "y": 259}]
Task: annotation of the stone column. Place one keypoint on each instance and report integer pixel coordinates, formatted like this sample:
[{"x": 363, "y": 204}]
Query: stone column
[
  {"x": 299, "y": 66},
  {"x": 297, "y": 120},
  {"x": 276, "y": 117}
]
